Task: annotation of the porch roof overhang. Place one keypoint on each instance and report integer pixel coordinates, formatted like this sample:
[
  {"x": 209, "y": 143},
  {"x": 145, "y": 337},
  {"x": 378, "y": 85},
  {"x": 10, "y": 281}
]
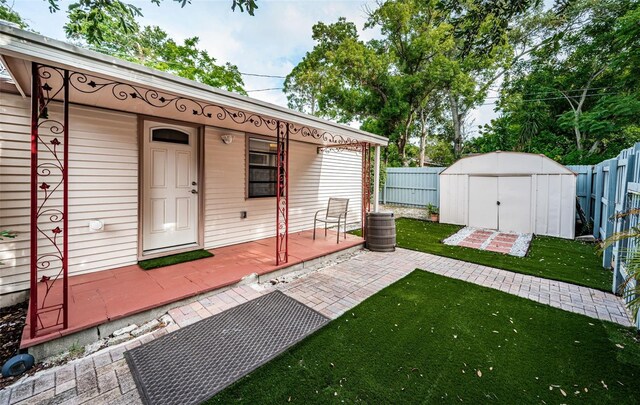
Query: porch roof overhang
[{"x": 19, "y": 48}]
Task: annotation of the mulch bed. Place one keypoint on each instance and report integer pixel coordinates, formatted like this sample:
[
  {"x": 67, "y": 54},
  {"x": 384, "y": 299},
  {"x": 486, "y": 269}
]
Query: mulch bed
[{"x": 11, "y": 324}]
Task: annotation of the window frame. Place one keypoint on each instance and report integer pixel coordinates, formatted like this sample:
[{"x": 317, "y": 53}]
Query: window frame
[{"x": 248, "y": 167}]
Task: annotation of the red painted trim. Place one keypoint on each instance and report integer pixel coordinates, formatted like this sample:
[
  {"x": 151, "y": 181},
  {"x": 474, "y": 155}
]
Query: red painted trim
[
  {"x": 366, "y": 186},
  {"x": 65, "y": 206},
  {"x": 33, "y": 293},
  {"x": 286, "y": 190},
  {"x": 282, "y": 193}
]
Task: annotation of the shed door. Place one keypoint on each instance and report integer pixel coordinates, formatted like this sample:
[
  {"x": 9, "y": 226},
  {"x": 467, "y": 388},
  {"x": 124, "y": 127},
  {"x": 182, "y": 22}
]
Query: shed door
[
  {"x": 483, "y": 197},
  {"x": 514, "y": 194}
]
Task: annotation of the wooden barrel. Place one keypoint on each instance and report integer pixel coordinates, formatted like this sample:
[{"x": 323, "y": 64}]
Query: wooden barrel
[{"x": 381, "y": 232}]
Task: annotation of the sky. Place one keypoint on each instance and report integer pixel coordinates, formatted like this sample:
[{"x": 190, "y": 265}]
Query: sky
[{"x": 270, "y": 43}]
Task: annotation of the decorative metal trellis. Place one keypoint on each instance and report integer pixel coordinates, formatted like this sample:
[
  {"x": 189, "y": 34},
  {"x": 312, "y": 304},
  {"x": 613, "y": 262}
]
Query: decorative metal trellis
[
  {"x": 366, "y": 187},
  {"x": 49, "y": 175},
  {"x": 282, "y": 194},
  {"x": 49, "y": 201}
]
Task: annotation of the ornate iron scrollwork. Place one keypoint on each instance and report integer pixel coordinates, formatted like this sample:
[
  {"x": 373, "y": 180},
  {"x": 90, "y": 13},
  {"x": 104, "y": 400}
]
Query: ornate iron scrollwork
[
  {"x": 49, "y": 217},
  {"x": 88, "y": 84},
  {"x": 282, "y": 195},
  {"x": 366, "y": 186}
]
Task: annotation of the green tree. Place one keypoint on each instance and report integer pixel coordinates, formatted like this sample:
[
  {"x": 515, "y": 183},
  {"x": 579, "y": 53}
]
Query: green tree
[
  {"x": 94, "y": 13},
  {"x": 7, "y": 14},
  {"x": 576, "y": 97},
  {"x": 489, "y": 38},
  {"x": 151, "y": 46},
  {"x": 384, "y": 82},
  {"x": 428, "y": 50}
]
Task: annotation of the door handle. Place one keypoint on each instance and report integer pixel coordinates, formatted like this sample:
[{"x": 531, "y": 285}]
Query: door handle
[
  {"x": 194, "y": 192},
  {"x": 193, "y": 183},
  {"x": 497, "y": 202}
]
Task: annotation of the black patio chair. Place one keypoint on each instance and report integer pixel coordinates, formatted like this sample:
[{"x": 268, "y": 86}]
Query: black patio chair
[{"x": 335, "y": 213}]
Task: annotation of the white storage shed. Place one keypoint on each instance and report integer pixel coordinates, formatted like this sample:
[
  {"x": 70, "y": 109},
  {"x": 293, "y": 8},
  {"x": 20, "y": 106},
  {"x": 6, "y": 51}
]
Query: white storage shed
[{"x": 510, "y": 192}]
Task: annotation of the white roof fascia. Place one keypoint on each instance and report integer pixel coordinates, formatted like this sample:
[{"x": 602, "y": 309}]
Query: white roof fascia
[
  {"x": 12, "y": 77},
  {"x": 26, "y": 45}
]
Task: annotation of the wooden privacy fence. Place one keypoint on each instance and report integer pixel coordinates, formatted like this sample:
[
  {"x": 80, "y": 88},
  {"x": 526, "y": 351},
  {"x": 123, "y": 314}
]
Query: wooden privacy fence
[
  {"x": 412, "y": 186},
  {"x": 615, "y": 188}
]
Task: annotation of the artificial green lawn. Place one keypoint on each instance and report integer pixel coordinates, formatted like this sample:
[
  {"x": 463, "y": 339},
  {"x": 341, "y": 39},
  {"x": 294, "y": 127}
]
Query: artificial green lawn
[
  {"x": 431, "y": 339},
  {"x": 553, "y": 258},
  {"x": 174, "y": 259}
]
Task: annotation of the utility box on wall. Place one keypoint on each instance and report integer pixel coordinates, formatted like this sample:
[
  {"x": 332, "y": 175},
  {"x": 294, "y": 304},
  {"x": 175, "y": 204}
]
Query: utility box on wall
[{"x": 510, "y": 192}]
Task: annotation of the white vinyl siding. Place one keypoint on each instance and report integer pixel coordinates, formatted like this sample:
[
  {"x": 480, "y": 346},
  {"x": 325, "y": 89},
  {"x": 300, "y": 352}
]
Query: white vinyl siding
[
  {"x": 313, "y": 176},
  {"x": 103, "y": 184}
]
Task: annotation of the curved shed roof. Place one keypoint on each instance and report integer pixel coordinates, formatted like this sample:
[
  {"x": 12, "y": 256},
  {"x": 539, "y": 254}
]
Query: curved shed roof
[{"x": 506, "y": 163}]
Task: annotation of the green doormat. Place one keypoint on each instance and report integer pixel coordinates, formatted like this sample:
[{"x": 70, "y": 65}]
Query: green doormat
[{"x": 174, "y": 259}]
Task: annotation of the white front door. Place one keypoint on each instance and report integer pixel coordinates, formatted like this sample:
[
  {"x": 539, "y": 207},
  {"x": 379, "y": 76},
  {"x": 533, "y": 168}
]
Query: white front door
[
  {"x": 170, "y": 200},
  {"x": 483, "y": 196}
]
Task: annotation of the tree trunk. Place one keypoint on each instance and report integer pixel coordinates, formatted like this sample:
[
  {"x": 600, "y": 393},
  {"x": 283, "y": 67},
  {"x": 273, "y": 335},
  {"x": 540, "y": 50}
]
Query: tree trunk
[
  {"x": 402, "y": 143},
  {"x": 423, "y": 136},
  {"x": 576, "y": 129},
  {"x": 457, "y": 130}
]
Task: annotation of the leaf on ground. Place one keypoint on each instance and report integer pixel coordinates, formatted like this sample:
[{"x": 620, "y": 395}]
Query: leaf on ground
[
  {"x": 604, "y": 385},
  {"x": 479, "y": 373},
  {"x": 564, "y": 394},
  {"x": 619, "y": 346}
]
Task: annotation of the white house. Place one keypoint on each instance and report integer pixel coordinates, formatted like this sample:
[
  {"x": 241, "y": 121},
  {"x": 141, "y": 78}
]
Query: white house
[{"x": 104, "y": 163}]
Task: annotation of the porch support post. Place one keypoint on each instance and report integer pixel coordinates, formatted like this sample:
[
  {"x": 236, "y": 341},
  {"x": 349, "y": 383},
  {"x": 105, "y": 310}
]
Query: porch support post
[
  {"x": 376, "y": 180},
  {"x": 282, "y": 194},
  {"x": 65, "y": 204},
  {"x": 33, "y": 222},
  {"x": 366, "y": 186},
  {"x": 49, "y": 185}
]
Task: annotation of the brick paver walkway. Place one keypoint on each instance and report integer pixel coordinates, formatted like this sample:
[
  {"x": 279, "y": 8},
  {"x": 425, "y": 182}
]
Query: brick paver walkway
[{"x": 104, "y": 377}]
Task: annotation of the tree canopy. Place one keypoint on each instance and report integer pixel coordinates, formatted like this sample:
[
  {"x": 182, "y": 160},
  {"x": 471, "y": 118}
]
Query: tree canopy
[
  {"x": 568, "y": 76},
  {"x": 434, "y": 57},
  {"x": 151, "y": 46},
  {"x": 117, "y": 33},
  {"x": 577, "y": 97},
  {"x": 94, "y": 13}
]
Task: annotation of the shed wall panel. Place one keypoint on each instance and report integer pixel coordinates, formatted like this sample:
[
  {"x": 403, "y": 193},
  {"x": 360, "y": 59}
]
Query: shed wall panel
[{"x": 453, "y": 199}]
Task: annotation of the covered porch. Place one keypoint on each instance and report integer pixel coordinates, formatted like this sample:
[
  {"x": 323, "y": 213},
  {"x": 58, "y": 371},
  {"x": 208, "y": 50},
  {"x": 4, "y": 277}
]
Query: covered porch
[
  {"x": 57, "y": 78},
  {"x": 105, "y": 296}
]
